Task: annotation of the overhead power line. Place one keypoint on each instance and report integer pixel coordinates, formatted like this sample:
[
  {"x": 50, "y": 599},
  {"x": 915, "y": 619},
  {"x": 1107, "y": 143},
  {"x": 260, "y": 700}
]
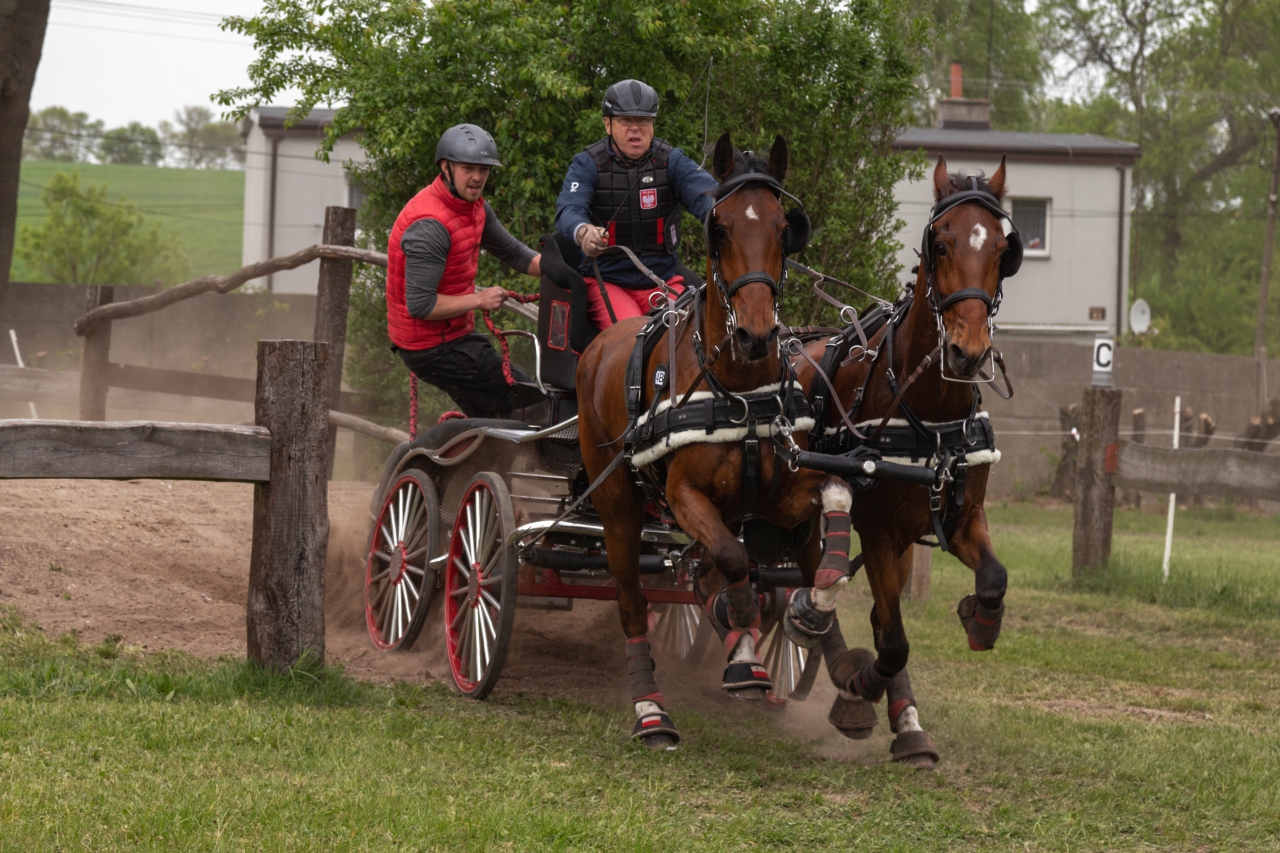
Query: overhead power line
[{"x": 164, "y": 14}]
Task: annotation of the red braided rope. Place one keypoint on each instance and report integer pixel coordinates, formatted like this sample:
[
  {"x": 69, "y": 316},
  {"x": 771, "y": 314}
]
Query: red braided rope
[{"x": 523, "y": 298}]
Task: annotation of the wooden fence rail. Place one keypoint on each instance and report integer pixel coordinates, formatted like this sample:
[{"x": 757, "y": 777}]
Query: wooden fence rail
[
  {"x": 283, "y": 455},
  {"x": 1196, "y": 471}
]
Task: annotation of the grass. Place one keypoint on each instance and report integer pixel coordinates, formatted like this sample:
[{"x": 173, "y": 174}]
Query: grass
[
  {"x": 204, "y": 208},
  {"x": 1101, "y": 722}
]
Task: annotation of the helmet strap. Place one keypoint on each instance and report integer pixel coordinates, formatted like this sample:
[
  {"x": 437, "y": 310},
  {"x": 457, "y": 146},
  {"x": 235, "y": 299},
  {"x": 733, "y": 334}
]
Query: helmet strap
[{"x": 447, "y": 171}]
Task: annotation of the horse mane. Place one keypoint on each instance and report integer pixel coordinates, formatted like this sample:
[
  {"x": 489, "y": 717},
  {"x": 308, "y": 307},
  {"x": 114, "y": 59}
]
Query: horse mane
[{"x": 959, "y": 182}]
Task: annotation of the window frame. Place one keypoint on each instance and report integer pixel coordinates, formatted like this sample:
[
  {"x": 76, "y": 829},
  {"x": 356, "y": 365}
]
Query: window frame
[{"x": 1046, "y": 251}]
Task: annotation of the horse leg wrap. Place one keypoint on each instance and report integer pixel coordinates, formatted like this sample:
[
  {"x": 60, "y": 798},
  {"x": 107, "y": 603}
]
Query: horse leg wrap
[
  {"x": 653, "y": 726},
  {"x": 745, "y": 677},
  {"x": 903, "y": 716},
  {"x": 981, "y": 624},
  {"x": 811, "y": 611},
  {"x": 870, "y": 683}
]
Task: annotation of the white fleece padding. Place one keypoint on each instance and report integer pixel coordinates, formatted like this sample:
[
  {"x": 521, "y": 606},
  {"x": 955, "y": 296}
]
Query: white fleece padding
[
  {"x": 745, "y": 651},
  {"x": 825, "y": 599},
  {"x": 727, "y": 435},
  {"x": 978, "y": 457},
  {"x": 909, "y": 720},
  {"x": 836, "y": 498},
  {"x": 647, "y": 707}
]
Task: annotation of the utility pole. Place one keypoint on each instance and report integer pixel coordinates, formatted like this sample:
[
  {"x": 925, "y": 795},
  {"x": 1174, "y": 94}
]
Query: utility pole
[{"x": 1260, "y": 331}]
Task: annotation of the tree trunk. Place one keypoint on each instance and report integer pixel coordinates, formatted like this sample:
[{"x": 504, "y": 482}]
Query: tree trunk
[
  {"x": 22, "y": 26},
  {"x": 285, "y": 613}
]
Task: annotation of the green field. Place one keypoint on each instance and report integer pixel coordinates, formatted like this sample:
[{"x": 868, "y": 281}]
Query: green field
[
  {"x": 204, "y": 208},
  {"x": 1103, "y": 721}
]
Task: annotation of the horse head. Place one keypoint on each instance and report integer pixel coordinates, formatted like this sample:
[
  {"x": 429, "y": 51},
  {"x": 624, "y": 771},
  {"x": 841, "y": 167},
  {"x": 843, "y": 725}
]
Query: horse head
[
  {"x": 747, "y": 240},
  {"x": 964, "y": 259}
]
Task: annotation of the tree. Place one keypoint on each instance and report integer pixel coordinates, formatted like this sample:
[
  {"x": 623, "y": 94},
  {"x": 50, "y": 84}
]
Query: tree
[
  {"x": 22, "y": 27},
  {"x": 203, "y": 143},
  {"x": 86, "y": 239},
  {"x": 835, "y": 78},
  {"x": 56, "y": 133},
  {"x": 134, "y": 144}
]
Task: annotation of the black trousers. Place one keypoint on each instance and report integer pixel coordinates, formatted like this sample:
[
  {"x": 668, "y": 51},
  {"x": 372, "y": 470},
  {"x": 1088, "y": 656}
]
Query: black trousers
[{"x": 469, "y": 370}]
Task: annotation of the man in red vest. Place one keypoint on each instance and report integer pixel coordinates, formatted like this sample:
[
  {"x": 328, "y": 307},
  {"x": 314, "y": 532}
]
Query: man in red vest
[{"x": 432, "y": 257}]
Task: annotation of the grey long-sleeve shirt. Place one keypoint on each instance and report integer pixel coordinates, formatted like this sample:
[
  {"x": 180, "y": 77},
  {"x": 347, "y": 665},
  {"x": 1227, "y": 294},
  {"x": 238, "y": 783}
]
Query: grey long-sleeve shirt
[{"x": 426, "y": 245}]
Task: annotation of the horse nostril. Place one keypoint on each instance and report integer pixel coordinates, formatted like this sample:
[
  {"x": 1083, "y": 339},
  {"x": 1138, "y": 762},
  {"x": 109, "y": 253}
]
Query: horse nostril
[
  {"x": 772, "y": 337},
  {"x": 744, "y": 338},
  {"x": 956, "y": 356}
]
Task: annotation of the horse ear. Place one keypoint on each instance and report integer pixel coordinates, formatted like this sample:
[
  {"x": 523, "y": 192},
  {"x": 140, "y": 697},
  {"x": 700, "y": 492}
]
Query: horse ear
[
  {"x": 722, "y": 161},
  {"x": 941, "y": 180},
  {"x": 778, "y": 159},
  {"x": 996, "y": 184}
]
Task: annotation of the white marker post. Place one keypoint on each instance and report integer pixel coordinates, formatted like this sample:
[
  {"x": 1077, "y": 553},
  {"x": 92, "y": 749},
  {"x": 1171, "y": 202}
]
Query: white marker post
[
  {"x": 17, "y": 355},
  {"x": 1173, "y": 497}
]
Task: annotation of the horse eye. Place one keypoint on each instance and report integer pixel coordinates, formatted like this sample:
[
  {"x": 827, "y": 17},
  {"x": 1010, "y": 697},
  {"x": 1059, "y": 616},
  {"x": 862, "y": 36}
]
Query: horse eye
[{"x": 940, "y": 249}]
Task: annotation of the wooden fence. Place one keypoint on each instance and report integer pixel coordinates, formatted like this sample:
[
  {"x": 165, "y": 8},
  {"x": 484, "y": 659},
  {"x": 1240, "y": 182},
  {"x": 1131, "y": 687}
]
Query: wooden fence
[
  {"x": 1105, "y": 463},
  {"x": 283, "y": 455}
]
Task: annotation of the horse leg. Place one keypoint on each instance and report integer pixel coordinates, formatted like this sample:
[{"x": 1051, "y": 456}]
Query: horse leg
[
  {"x": 853, "y": 716},
  {"x": 811, "y": 612},
  {"x": 621, "y": 517},
  {"x": 982, "y": 611},
  {"x": 734, "y": 611}
]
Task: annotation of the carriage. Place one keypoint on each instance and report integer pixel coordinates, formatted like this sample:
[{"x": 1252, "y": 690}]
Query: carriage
[{"x": 470, "y": 512}]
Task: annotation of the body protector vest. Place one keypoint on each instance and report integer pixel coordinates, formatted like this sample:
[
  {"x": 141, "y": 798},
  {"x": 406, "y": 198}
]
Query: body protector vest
[
  {"x": 464, "y": 220},
  {"x": 636, "y": 202}
]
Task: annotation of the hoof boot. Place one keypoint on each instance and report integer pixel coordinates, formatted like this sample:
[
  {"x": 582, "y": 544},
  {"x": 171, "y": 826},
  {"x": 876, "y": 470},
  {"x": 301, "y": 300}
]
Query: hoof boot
[
  {"x": 853, "y": 716},
  {"x": 656, "y": 731},
  {"x": 915, "y": 749},
  {"x": 980, "y": 624},
  {"x": 746, "y": 680},
  {"x": 805, "y": 624}
]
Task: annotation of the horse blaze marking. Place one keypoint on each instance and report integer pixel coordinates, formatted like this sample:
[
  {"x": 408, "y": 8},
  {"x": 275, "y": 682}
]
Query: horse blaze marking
[
  {"x": 751, "y": 213},
  {"x": 1112, "y": 464},
  {"x": 979, "y": 237}
]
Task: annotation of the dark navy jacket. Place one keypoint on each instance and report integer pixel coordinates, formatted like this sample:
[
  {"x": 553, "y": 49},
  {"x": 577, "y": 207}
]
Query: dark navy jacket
[{"x": 691, "y": 183}]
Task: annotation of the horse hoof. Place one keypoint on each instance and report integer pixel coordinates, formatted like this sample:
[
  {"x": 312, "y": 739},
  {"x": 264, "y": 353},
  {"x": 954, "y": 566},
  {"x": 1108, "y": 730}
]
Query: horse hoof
[
  {"x": 661, "y": 741},
  {"x": 915, "y": 749},
  {"x": 744, "y": 676},
  {"x": 854, "y": 718},
  {"x": 656, "y": 731},
  {"x": 748, "y": 694},
  {"x": 804, "y": 624},
  {"x": 847, "y": 665}
]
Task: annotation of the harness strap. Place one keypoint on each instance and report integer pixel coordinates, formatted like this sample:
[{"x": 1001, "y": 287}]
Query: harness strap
[
  {"x": 916, "y": 374},
  {"x": 750, "y": 471},
  {"x": 835, "y": 396},
  {"x": 604, "y": 293}
]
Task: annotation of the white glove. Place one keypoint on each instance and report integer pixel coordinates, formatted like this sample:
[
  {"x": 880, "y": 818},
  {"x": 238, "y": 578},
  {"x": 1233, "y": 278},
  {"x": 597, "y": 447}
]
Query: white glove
[{"x": 592, "y": 240}]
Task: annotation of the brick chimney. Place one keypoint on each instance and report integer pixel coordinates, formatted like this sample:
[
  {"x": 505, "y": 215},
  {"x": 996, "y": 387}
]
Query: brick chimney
[{"x": 959, "y": 112}]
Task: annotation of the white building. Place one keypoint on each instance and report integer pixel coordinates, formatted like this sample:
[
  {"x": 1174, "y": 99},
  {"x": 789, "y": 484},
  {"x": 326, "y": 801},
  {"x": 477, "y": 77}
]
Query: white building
[
  {"x": 1068, "y": 195},
  {"x": 286, "y": 190}
]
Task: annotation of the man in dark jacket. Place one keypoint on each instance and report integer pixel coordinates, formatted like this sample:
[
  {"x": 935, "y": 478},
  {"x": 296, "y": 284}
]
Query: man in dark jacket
[
  {"x": 627, "y": 190},
  {"x": 432, "y": 257}
]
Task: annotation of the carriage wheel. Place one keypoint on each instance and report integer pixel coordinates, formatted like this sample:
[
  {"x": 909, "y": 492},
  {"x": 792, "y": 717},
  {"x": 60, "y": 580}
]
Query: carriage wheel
[
  {"x": 792, "y": 668},
  {"x": 398, "y": 581},
  {"x": 480, "y": 586},
  {"x": 681, "y": 631}
]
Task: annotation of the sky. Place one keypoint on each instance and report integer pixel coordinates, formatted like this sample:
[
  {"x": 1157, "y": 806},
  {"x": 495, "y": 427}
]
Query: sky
[{"x": 140, "y": 60}]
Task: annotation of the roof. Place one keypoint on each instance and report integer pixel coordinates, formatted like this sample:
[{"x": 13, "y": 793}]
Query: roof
[
  {"x": 1019, "y": 145},
  {"x": 273, "y": 119}
]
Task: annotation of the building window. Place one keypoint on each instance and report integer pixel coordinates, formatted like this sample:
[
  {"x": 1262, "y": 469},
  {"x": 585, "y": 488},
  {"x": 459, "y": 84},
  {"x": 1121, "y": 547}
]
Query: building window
[{"x": 1031, "y": 218}]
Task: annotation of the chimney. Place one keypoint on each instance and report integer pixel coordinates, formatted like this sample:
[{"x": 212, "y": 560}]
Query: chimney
[{"x": 959, "y": 112}]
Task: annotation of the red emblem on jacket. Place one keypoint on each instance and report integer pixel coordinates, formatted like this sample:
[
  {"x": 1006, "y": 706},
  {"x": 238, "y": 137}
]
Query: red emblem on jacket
[{"x": 648, "y": 199}]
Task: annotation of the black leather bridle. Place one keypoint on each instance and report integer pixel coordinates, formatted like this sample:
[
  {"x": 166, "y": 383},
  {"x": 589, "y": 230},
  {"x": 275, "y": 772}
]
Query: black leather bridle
[{"x": 1010, "y": 260}]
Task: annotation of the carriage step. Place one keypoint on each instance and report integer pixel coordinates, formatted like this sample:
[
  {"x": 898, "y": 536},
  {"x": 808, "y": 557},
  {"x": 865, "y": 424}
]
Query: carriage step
[{"x": 570, "y": 561}]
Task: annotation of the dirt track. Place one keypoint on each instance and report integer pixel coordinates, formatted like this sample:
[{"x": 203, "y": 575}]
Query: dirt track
[{"x": 166, "y": 565}]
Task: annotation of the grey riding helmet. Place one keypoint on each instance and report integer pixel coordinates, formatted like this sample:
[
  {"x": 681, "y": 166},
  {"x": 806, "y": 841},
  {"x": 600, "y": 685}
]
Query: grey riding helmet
[
  {"x": 466, "y": 143},
  {"x": 630, "y": 98}
]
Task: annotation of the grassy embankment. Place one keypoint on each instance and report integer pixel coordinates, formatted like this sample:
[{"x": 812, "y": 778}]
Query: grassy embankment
[
  {"x": 203, "y": 208},
  {"x": 1102, "y": 722}
]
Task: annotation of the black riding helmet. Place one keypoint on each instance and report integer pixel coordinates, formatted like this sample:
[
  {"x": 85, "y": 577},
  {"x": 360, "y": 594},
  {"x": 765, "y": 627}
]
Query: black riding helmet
[
  {"x": 630, "y": 98},
  {"x": 466, "y": 143}
]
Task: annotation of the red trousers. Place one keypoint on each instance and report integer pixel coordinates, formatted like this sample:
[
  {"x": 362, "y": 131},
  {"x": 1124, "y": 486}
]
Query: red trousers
[{"x": 626, "y": 303}]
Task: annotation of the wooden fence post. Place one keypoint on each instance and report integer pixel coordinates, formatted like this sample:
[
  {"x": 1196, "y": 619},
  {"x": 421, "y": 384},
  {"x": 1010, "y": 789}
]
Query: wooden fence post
[
  {"x": 1095, "y": 479},
  {"x": 285, "y": 616},
  {"x": 93, "y": 362},
  {"x": 921, "y": 571},
  {"x": 333, "y": 298}
]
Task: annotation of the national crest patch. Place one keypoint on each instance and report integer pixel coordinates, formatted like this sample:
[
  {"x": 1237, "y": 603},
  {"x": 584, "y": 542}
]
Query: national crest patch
[{"x": 648, "y": 199}]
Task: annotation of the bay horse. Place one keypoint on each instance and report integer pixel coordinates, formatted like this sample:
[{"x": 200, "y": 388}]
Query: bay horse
[
  {"x": 703, "y": 483},
  {"x": 921, "y": 379}
]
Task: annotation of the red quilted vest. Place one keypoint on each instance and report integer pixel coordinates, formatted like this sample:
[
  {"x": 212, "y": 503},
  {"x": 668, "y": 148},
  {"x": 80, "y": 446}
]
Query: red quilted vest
[{"x": 465, "y": 222}]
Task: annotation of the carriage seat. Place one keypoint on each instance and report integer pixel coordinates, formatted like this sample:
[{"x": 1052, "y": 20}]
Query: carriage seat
[{"x": 564, "y": 324}]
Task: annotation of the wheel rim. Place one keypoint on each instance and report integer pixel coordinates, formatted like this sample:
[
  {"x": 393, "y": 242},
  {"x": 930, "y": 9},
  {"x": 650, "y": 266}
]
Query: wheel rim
[
  {"x": 397, "y": 579},
  {"x": 472, "y": 589},
  {"x": 677, "y": 628},
  {"x": 785, "y": 662}
]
